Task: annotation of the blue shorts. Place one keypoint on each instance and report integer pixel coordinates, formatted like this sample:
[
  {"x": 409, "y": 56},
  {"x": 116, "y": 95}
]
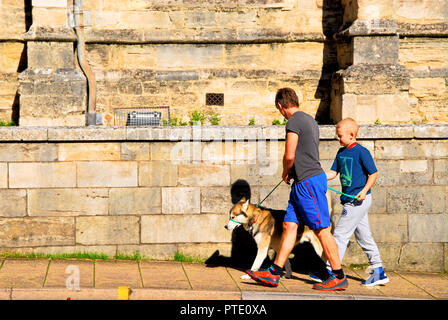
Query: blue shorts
[{"x": 308, "y": 203}]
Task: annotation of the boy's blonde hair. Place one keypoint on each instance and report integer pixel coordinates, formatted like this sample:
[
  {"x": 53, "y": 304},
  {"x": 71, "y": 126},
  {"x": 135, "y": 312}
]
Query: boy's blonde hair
[{"x": 349, "y": 124}]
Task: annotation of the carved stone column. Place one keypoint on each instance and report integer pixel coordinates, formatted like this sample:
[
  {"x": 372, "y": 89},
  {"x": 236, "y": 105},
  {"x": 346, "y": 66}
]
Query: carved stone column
[
  {"x": 53, "y": 90},
  {"x": 372, "y": 87}
]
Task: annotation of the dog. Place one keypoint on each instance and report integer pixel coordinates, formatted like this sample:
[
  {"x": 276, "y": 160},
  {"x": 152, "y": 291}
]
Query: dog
[{"x": 266, "y": 227}]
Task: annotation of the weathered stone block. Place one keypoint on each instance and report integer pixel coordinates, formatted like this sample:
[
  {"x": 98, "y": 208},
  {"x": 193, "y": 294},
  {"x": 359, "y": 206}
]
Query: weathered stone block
[
  {"x": 30, "y": 134},
  {"x": 375, "y": 50},
  {"x": 404, "y": 172},
  {"x": 151, "y": 251},
  {"x": 31, "y": 232},
  {"x": 42, "y": 175},
  {"x": 216, "y": 200},
  {"x": 426, "y": 87},
  {"x": 13, "y": 203},
  {"x": 181, "y": 200},
  {"x": 56, "y": 55},
  {"x": 28, "y": 152},
  {"x": 88, "y": 151},
  {"x": 431, "y": 131},
  {"x": 164, "y": 151},
  {"x": 107, "y": 174},
  {"x": 441, "y": 171},
  {"x": 67, "y": 202},
  {"x": 278, "y": 200},
  {"x": 135, "y": 201},
  {"x": 257, "y": 175},
  {"x": 184, "y": 228},
  {"x": 205, "y": 250},
  {"x": 428, "y": 228},
  {"x": 414, "y": 149},
  {"x": 157, "y": 173},
  {"x": 11, "y": 52},
  {"x": 135, "y": 151},
  {"x": 189, "y": 56},
  {"x": 425, "y": 199},
  {"x": 422, "y": 257},
  {"x": 389, "y": 254},
  {"x": 86, "y": 134},
  {"x": 204, "y": 175},
  {"x": 389, "y": 228},
  {"x": 107, "y": 230},
  {"x": 3, "y": 175}
]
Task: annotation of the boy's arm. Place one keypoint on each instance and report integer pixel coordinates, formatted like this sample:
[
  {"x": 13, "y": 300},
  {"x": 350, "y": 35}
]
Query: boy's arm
[
  {"x": 331, "y": 174},
  {"x": 369, "y": 184},
  {"x": 292, "y": 139}
]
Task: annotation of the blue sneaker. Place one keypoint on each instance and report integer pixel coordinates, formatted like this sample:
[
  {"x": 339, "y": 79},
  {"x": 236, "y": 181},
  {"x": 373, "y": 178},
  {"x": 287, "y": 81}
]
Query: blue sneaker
[
  {"x": 317, "y": 279},
  {"x": 377, "y": 277}
]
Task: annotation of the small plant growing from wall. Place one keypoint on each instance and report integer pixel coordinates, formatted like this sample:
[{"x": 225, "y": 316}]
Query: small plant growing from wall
[
  {"x": 175, "y": 122},
  {"x": 251, "y": 122},
  {"x": 197, "y": 117},
  {"x": 276, "y": 122},
  {"x": 214, "y": 118},
  {"x": 7, "y": 123}
]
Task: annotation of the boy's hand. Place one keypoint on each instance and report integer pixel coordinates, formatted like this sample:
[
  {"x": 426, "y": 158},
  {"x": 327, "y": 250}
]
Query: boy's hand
[{"x": 361, "y": 196}]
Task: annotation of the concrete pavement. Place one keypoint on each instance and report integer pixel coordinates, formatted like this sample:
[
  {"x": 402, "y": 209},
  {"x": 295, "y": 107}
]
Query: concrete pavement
[{"x": 46, "y": 279}]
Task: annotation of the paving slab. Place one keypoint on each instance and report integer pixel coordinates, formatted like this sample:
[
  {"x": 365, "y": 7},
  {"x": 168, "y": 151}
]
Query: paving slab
[
  {"x": 249, "y": 284},
  {"x": 112, "y": 274},
  {"x": 202, "y": 277},
  {"x": 400, "y": 287},
  {"x": 164, "y": 275},
  {"x": 300, "y": 283},
  {"x": 63, "y": 273},
  {"x": 432, "y": 283},
  {"x": 20, "y": 273},
  {"x": 355, "y": 287}
]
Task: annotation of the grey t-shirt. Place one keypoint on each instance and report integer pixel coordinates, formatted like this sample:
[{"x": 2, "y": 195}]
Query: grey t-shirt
[{"x": 306, "y": 162}]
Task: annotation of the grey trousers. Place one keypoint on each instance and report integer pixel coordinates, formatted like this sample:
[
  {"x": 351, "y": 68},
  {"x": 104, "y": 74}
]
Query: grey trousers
[{"x": 355, "y": 219}]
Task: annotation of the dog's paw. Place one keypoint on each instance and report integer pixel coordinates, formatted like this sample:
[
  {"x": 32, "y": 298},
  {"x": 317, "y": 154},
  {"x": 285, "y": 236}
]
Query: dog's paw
[{"x": 245, "y": 277}]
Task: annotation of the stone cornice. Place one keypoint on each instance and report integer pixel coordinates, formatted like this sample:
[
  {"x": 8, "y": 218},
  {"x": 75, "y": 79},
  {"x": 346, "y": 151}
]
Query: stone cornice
[{"x": 208, "y": 133}]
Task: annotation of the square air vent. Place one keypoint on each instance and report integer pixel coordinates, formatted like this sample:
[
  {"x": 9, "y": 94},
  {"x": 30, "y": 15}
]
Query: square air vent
[{"x": 214, "y": 99}]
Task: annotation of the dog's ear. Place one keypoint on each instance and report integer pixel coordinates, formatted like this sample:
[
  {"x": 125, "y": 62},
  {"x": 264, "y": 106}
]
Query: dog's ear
[{"x": 245, "y": 206}]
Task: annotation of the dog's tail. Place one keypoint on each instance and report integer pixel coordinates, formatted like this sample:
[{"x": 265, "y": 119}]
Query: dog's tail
[
  {"x": 306, "y": 237},
  {"x": 312, "y": 239}
]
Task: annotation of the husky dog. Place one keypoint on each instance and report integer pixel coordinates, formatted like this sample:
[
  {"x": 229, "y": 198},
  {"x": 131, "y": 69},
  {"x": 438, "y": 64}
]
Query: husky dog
[{"x": 266, "y": 227}]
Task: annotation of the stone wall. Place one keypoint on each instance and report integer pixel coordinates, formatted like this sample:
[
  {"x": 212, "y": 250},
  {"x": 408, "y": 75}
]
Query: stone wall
[
  {"x": 161, "y": 190},
  {"x": 151, "y": 53}
]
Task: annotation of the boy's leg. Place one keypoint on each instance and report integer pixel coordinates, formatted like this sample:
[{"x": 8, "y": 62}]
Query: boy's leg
[
  {"x": 346, "y": 226},
  {"x": 365, "y": 239}
]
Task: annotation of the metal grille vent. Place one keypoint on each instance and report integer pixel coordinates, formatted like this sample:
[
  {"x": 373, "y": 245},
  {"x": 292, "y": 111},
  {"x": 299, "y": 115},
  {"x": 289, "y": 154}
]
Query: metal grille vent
[
  {"x": 214, "y": 99},
  {"x": 147, "y": 116}
]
